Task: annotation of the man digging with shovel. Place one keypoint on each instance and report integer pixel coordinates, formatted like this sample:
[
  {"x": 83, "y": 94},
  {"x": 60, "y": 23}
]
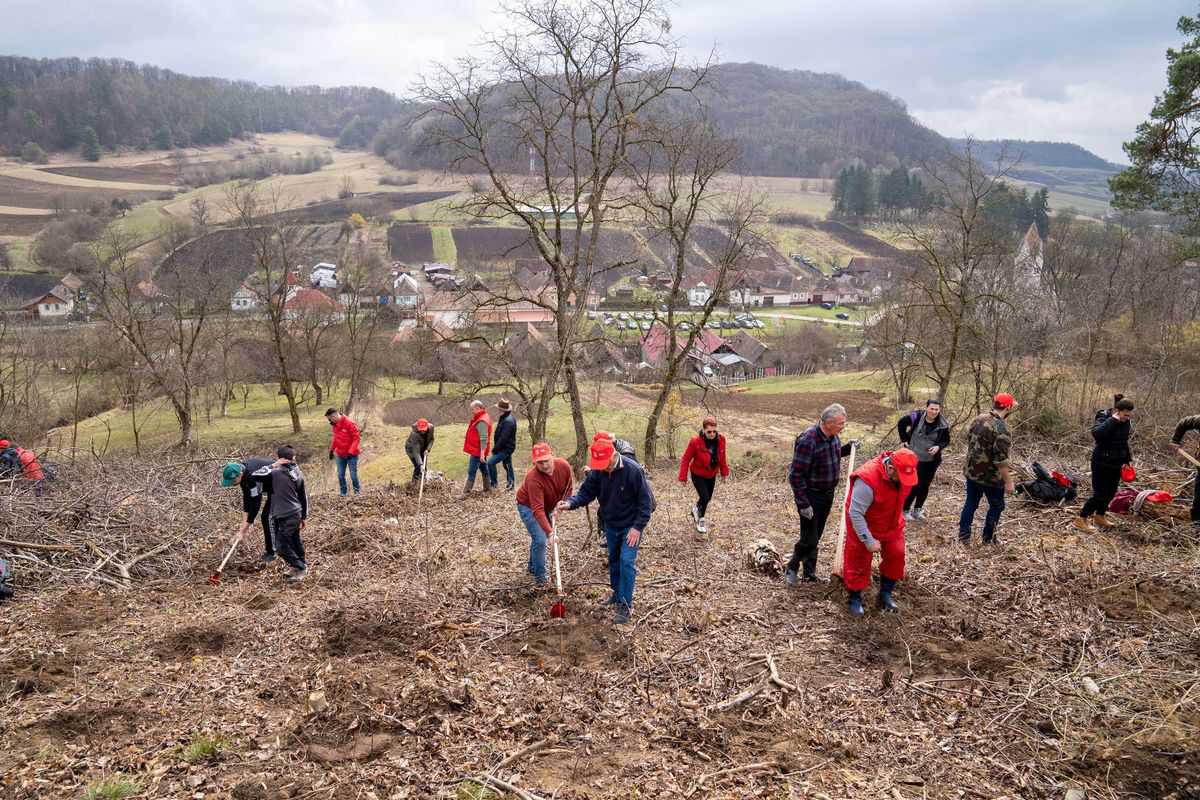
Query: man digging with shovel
[
  {"x": 875, "y": 514},
  {"x": 626, "y": 504},
  {"x": 1186, "y": 424},
  {"x": 240, "y": 474},
  {"x": 548, "y": 483}
]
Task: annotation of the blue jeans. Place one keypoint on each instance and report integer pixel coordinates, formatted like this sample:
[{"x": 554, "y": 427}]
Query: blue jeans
[
  {"x": 537, "y": 543},
  {"x": 342, "y": 463},
  {"x": 622, "y": 567},
  {"x": 506, "y": 460},
  {"x": 476, "y": 464},
  {"x": 975, "y": 492}
]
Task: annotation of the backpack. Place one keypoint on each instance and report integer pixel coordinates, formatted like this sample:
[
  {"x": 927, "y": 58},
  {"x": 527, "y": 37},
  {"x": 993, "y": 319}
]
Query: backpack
[
  {"x": 1049, "y": 486},
  {"x": 625, "y": 448},
  {"x": 6, "y": 580},
  {"x": 10, "y": 462}
]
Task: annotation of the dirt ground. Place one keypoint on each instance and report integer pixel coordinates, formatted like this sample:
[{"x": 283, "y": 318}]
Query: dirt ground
[{"x": 416, "y": 657}]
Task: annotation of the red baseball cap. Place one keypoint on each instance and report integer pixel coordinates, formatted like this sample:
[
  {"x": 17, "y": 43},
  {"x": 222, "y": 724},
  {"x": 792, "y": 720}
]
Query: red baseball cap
[
  {"x": 1003, "y": 400},
  {"x": 542, "y": 450},
  {"x": 602, "y": 453},
  {"x": 422, "y": 425},
  {"x": 4, "y": 443},
  {"x": 905, "y": 464}
]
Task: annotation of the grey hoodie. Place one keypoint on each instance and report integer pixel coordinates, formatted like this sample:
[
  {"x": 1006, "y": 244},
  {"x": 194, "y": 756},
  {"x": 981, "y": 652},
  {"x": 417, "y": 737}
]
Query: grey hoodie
[{"x": 285, "y": 485}]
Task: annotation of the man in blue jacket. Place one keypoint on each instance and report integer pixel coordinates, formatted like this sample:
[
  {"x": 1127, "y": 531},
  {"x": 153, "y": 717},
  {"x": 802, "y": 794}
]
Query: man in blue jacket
[
  {"x": 504, "y": 444},
  {"x": 626, "y": 504}
]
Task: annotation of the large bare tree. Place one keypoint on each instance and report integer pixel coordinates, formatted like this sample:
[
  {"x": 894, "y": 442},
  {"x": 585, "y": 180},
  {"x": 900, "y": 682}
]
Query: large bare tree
[{"x": 567, "y": 84}]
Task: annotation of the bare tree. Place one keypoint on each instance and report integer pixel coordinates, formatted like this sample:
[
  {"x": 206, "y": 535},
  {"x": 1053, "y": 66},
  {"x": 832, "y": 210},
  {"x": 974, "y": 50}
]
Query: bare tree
[
  {"x": 363, "y": 275},
  {"x": 674, "y": 165},
  {"x": 163, "y": 317},
  {"x": 274, "y": 249},
  {"x": 567, "y": 85}
]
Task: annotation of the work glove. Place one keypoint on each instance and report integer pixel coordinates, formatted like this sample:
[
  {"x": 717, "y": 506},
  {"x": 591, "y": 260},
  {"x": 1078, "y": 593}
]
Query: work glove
[
  {"x": 331, "y": 455},
  {"x": 807, "y": 512}
]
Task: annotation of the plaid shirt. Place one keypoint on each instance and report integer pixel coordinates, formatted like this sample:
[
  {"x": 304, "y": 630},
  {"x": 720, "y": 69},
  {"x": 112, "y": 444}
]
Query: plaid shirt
[{"x": 816, "y": 464}]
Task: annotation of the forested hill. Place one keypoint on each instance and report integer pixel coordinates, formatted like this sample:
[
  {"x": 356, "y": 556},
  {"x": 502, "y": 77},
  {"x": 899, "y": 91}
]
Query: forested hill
[
  {"x": 52, "y": 102},
  {"x": 789, "y": 123},
  {"x": 1039, "y": 154},
  {"x": 798, "y": 123}
]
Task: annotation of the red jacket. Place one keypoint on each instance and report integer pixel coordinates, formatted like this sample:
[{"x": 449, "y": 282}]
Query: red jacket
[
  {"x": 472, "y": 446},
  {"x": 885, "y": 517},
  {"x": 29, "y": 463},
  {"x": 697, "y": 458},
  {"x": 345, "y": 437}
]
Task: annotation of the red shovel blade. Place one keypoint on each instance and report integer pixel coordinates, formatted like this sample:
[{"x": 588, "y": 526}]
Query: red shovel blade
[
  {"x": 214, "y": 579},
  {"x": 558, "y": 610}
]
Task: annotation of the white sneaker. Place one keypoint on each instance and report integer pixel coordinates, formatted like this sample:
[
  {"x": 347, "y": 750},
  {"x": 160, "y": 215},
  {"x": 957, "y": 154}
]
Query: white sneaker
[
  {"x": 908, "y": 515},
  {"x": 696, "y": 515},
  {"x": 919, "y": 513},
  {"x": 702, "y": 526}
]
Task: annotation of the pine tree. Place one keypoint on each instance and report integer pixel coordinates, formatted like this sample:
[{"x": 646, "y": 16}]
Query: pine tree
[
  {"x": 163, "y": 138},
  {"x": 840, "y": 185},
  {"x": 1040, "y": 207},
  {"x": 91, "y": 144}
]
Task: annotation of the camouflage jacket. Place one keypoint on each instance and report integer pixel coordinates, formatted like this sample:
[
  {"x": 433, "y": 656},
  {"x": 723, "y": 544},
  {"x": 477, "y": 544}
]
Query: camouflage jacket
[{"x": 987, "y": 449}]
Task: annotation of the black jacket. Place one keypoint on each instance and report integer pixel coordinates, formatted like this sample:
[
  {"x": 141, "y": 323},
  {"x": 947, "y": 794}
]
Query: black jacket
[
  {"x": 418, "y": 443},
  {"x": 504, "y": 438},
  {"x": 940, "y": 435},
  {"x": 1112, "y": 440},
  {"x": 1186, "y": 424}
]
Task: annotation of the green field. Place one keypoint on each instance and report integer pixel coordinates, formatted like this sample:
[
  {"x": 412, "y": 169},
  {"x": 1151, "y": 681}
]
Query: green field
[{"x": 444, "y": 249}]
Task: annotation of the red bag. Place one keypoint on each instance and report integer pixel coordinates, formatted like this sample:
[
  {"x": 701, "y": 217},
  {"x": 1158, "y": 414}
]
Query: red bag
[
  {"x": 1159, "y": 497},
  {"x": 1128, "y": 473},
  {"x": 1062, "y": 480}
]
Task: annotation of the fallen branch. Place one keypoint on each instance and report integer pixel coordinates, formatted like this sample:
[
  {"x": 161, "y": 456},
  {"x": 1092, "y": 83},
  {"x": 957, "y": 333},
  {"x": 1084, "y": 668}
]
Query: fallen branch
[
  {"x": 496, "y": 783},
  {"x": 757, "y": 767},
  {"x": 528, "y": 751},
  {"x": 738, "y": 699},
  {"x": 55, "y": 548}
]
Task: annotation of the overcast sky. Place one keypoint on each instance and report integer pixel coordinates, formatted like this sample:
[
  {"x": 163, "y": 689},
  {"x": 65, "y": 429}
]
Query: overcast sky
[{"x": 1083, "y": 71}]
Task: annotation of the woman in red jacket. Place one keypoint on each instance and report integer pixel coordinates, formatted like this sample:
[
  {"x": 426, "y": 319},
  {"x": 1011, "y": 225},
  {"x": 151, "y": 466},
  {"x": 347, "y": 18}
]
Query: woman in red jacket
[{"x": 704, "y": 457}]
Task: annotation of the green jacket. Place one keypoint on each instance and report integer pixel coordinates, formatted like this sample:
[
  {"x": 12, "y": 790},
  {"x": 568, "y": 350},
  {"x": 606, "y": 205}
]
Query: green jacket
[{"x": 988, "y": 442}]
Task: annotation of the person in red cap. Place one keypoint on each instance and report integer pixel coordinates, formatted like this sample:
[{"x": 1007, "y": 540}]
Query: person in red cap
[
  {"x": 418, "y": 445},
  {"x": 875, "y": 515},
  {"x": 704, "y": 458},
  {"x": 626, "y": 503},
  {"x": 545, "y": 486},
  {"x": 478, "y": 445},
  {"x": 987, "y": 470}
]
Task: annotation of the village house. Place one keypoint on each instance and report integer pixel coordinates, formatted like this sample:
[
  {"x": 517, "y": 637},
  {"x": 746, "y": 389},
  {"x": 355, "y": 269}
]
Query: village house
[
  {"x": 698, "y": 292},
  {"x": 54, "y": 304},
  {"x": 324, "y": 276},
  {"x": 406, "y": 292},
  {"x": 244, "y": 299},
  {"x": 308, "y": 302}
]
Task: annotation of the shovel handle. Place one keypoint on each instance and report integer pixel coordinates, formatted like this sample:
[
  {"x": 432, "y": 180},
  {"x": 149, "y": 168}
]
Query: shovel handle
[
  {"x": 225, "y": 560},
  {"x": 1188, "y": 456},
  {"x": 557, "y": 572}
]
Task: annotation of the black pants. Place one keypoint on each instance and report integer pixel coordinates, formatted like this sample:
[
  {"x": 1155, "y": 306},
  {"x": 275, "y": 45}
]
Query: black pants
[
  {"x": 287, "y": 540},
  {"x": 416, "y": 462},
  {"x": 1196, "y": 499},
  {"x": 704, "y": 492},
  {"x": 1106, "y": 479},
  {"x": 268, "y": 539},
  {"x": 925, "y": 472},
  {"x": 811, "y": 530}
]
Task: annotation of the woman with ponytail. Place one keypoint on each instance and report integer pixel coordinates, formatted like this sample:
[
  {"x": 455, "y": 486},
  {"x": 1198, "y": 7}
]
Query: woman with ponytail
[{"x": 1110, "y": 453}]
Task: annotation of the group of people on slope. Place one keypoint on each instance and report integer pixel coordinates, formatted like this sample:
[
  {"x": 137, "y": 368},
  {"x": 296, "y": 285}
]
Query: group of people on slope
[{"x": 17, "y": 463}]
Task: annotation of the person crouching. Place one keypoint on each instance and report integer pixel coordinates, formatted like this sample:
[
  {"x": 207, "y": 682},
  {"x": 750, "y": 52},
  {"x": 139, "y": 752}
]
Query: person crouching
[{"x": 875, "y": 515}]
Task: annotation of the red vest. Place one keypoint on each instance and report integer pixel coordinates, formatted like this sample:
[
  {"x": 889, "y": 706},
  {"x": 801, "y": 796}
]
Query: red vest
[
  {"x": 472, "y": 446},
  {"x": 885, "y": 517}
]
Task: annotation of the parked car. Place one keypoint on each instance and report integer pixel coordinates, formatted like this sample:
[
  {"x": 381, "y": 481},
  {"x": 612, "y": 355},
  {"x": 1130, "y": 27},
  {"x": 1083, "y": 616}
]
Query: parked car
[
  {"x": 662, "y": 308},
  {"x": 685, "y": 326},
  {"x": 842, "y": 315},
  {"x": 591, "y": 315},
  {"x": 827, "y": 306},
  {"x": 645, "y": 325},
  {"x": 623, "y": 315}
]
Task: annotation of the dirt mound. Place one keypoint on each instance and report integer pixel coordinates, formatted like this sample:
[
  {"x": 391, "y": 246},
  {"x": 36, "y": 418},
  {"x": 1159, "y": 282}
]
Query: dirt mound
[
  {"x": 88, "y": 719},
  {"x": 84, "y": 611},
  {"x": 350, "y": 632},
  {"x": 1137, "y": 600},
  {"x": 35, "y": 674},
  {"x": 587, "y": 643},
  {"x": 188, "y": 642}
]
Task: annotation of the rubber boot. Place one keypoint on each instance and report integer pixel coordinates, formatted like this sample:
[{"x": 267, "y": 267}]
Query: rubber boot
[
  {"x": 855, "y": 604},
  {"x": 886, "y": 585},
  {"x": 469, "y": 485}
]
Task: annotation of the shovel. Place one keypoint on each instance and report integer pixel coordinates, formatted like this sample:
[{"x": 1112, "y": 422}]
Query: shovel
[
  {"x": 559, "y": 609},
  {"x": 421, "y": 488},
  {"x": 840, "y": 550},
  {"x": 215, "y": 578}
]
